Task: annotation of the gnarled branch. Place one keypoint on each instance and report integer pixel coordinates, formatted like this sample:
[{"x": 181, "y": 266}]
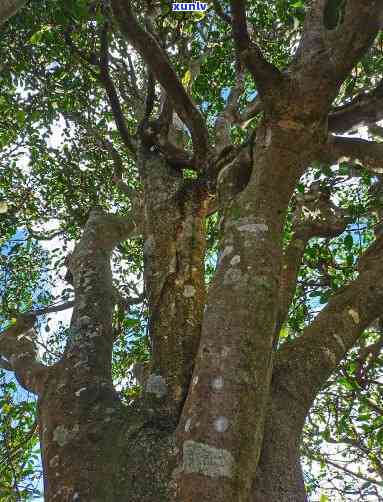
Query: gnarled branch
[
  {"x": 19, "y": 354},
  {"x": 158, "y": 62},
  {"x": 265, "y": 74},
  {"x": 333, "y": 42}
]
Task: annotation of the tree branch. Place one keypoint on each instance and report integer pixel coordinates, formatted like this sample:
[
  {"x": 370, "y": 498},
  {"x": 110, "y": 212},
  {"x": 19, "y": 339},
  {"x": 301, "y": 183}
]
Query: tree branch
[
  {"x": 364, "y": 110},
  {"x": 266, "y": 75},
  {"x": 91, "y": 335},
  {"x": 229, "y": 115},
  {"x": 220, "y": 12},
  {"x": 111, "y": 92},
  {"x": 18, "y": 352},
  {"x": 335, "y": 37},
  {"x": 250, "y": 111},
  {"x": 320, "y": 458},
  {"x": 51, "y": 310},
  {"x": 367, "y": 153},
  {"x": 157, "y": 60},
  {"x": 314, "y": 216},
  {"x": 305, "y": 364}
]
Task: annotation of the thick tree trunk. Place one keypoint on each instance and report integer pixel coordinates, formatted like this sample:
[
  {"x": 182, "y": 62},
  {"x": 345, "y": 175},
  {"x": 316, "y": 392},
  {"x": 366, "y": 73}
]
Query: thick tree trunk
[
  {"x": 220, "y": 443},
  {"x": 174, "y": 249},
  {"x": 95, "y": 449},
  {"x": 81, "y": 433}
]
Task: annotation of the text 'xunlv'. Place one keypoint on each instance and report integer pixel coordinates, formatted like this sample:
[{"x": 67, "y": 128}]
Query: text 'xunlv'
[{"x": 189, "y": 6}]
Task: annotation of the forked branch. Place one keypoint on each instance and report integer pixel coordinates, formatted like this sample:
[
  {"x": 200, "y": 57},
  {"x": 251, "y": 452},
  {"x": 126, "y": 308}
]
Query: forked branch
[{"x": 159, "y": 64}]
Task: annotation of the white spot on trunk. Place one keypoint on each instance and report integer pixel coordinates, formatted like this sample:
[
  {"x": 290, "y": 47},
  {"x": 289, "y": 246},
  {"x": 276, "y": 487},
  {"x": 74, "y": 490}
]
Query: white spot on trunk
[
  {"x": 221, "y": 424},
  {"x": 54, "y": 461},
  {"x": 206, "y": 460},
  {"x": 235, "y": 260},
  {"x": 187, "y": 425},
  {"x": 354, "y": 315},
  {"x": 250, "y": 225},
  {"x": 269, "y": 135},
  {"x": 225, "y": 351},
  {"x": 149, "y": 245},
  {"x": 330, "y": 356},
  {"x": 255, "y": 228},
  {"x": 62, "y": 435},
  {"x": 189, "y": 291},
  {"x": 217, "y": 383},
  {"x": 79, "y": 391},
  {"x": 195, "y": 380}
]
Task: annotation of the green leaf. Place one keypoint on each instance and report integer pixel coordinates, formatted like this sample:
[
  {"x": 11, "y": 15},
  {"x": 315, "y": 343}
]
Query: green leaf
[
  {"x": 284, "y": 333},
  {"x": 131, "y": 323},
  {"x": 38, "y": 36},
  {"x": 186, "y": 79}
]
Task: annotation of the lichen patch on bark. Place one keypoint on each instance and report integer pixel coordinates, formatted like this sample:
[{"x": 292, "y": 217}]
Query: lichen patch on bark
[
  {"x": 203, "y": 459},
  {"x": 63, "y": 435},
  {"x": 354, "y": 315},
  {"x": 156, "y": 385}
]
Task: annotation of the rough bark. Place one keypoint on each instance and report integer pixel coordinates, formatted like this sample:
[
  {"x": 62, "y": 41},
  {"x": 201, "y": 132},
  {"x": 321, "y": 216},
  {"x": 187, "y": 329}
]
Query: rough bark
[
  {"x": 220, "y": 443},
  {"x": 217, "y": 419},
  {"x": 174, "y": 251}
]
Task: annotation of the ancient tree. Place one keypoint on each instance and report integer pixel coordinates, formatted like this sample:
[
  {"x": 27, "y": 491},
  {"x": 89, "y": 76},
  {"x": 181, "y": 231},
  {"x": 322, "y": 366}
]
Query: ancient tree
[{"x": 209, "y": 151}]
